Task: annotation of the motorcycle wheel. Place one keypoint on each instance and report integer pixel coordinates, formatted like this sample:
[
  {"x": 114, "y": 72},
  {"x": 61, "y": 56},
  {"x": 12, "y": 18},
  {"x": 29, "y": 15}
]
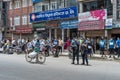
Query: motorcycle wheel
[{"x": 41, "y": 58}]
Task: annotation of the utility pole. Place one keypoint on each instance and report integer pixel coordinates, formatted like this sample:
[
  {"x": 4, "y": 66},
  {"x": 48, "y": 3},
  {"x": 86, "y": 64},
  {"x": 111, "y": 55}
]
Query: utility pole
[
  {"x": 1, "y": 21},
  {"x": 5, "y": 16}
]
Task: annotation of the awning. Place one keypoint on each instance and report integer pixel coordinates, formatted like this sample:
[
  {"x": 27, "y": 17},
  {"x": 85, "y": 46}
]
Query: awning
[{"x": 23, "y": 30}]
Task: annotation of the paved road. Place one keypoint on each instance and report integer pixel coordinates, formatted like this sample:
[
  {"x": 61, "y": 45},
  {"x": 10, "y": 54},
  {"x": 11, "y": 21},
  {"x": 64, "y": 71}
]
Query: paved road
[{"x": 14, "y": 67}]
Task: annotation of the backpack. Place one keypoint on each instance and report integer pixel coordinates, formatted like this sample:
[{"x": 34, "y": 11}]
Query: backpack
[
  {"x": 89, "y": 46},
  {"x": 55, "y": 42}
]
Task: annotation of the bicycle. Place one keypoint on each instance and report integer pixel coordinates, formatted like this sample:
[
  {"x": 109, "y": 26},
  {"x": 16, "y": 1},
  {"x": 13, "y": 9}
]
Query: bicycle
[{"x": 31, "y": 55}]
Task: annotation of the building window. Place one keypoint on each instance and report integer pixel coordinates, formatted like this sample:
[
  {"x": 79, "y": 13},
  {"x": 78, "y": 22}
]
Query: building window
[
  {"x": 98, "y": 4},
  {"x": 17, "y": 4},
  {"x": 17, "y": 21},
  {"x": 45, "y": 7},
  {"x": 69, "y": 3},
  {"x": 30, "y": 3},
  {"x": 29, "y": 19},
  {"x": 41, "y": 7},
  {"x": 88, "y": 6},
  {"x": 11, "y": 22},
  {"x": 10, "y": 5},
  {"x": 62, "y": 3},
  {"x": 108, "y": 5},
  {"x": 24, "y": 3},
  {"x": 24, "y": 20},
  {"x": 38, "y": 7},
  {"x": 53, "y": 5}
]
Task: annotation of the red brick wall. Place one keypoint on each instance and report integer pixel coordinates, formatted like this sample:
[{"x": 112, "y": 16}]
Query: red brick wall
[{"x": 20, "y": 12}]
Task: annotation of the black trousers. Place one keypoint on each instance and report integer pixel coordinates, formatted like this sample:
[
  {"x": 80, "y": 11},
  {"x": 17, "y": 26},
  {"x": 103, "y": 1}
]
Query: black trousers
[
  {"x": 84, "y": 57},
  {"x": 60, "y": 48},
  {"x": 118, "y": 52},
  {"x": 75, "y": 55},
  {"x": 111, "y": 51}
]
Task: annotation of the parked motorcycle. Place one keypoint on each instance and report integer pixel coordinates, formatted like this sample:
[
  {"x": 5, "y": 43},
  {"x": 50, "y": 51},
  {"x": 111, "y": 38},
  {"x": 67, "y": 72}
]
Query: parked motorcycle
[{"x": 55, "y": 51}]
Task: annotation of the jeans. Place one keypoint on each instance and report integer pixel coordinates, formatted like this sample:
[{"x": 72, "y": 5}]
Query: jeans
[
  {"x": 75, "y": 54},
  {"x": 118, "y": 52},
  {"x": 84, "y": 57}
]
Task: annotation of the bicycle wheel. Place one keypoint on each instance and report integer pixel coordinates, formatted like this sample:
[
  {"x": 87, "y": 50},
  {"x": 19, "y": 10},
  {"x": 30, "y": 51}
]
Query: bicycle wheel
[
  {"x": 28, "y": 59},
  {"x": 41, "y": 58}
]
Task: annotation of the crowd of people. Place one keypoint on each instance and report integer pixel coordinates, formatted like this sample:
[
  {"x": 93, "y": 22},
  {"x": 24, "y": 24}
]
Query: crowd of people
[
  {"x": 86, "y": 47},
  {"x": 78, "y": 45}
]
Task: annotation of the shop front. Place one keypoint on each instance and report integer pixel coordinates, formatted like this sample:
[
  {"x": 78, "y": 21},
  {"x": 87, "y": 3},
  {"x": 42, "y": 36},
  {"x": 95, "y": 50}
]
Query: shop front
[
  {"x": 53, "y": 29},
  {"x": 69, "y": 28},
  {"x": 92, "y": 29},
  {"x": 53, "y": 18},
  {"x": 39, "y": 29},
  {"x": 23, "y": 33},
  {"x": 115, "y": 32},
  {"x": 92, "y": 25},
  {"x": 47, "y": 29}
]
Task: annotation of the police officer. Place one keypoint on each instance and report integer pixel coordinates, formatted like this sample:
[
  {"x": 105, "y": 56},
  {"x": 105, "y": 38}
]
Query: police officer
[
  {"x": 111, "y": 45},
  {"x": 84, "y": 53},
  {"x": 102, "y": 46},
  {"x": 75, "y": 47}
]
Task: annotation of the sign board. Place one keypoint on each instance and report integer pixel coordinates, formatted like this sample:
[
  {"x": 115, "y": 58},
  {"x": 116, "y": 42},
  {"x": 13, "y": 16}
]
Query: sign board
[
  {"x": 93, "y": 15},
  {"x": 91, "y": 25},
  {"x": 70, "y": 12},
  {"x": 38, "y": 25},
  {"x": 36, "y": 1},
  {"x": 116, "y": 25},
  {"x": 40, "y": 29},
  {"x": 23, "y": 30},
  {"x": 93, "y": 20},
  {"x": 69, "y": 24},
  {"x": 108, "y": 24}
]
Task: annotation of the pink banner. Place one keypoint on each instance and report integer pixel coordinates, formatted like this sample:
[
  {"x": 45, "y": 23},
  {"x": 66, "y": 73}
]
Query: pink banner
[
  {"x": 91, "y": 25},
  {"x": 93, "y": 15},
  {"x": 93, "y": 20}
]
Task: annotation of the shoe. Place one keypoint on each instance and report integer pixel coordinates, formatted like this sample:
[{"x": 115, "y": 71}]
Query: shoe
[
  {"x": 72, "y": 63},
  {"x": 82, "y": 64},
  {"x": 88, "y": 65}
]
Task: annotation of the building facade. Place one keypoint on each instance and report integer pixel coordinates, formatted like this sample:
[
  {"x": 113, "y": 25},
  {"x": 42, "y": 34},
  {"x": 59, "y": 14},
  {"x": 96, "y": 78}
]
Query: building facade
[
  {"x": 4, "y": 25},
  {"x": 111, "y": 26},
  {"x": 96, "y": 6},
  {"x": 49, "y": 16},
  {"x": 20, "y": 26}
]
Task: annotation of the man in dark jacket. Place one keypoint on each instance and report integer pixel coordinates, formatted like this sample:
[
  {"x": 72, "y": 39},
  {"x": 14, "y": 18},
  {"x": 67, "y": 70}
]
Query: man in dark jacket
[
  {"x": 75, "y": 47},
  {"x": 84, "y": 48}
]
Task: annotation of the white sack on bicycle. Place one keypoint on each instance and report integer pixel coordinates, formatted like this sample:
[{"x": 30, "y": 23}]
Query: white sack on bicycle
[{"x": 33, "y": 54}]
